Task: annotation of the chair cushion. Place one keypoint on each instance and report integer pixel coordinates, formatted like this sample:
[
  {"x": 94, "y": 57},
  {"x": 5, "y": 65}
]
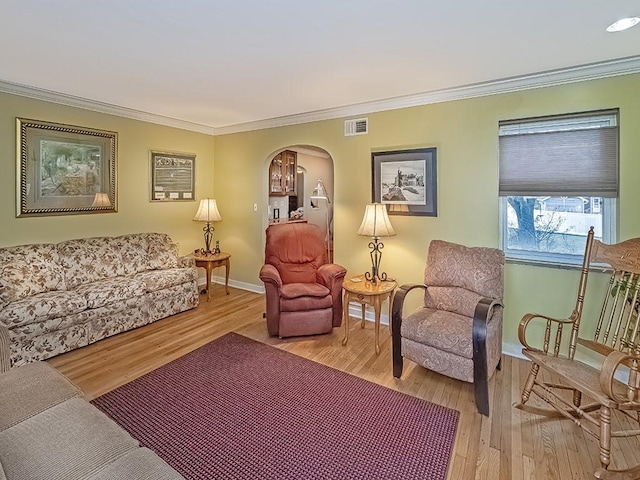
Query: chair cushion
[
  {"x": 43, "y": 306},
  {"x": 304, "y": 296},
  {"x": 479, "y": 269},
  {"x": 70, "y": 440},
  {"x": 155, "y": 280},
  {"x": 28, "y": 270},
  {"x": 452, "y": 299},
  {"x": 296, "y": 250},
  {"x": 138, "y": 464},
  {"x": 440, "y": 329},
  {"x": 296, "y": 290},
  {"x": 87, "y": 260},
  {"x": 111, "y": 290},
  {"x": 134, "y": 250},
  {"x": 162, "y": 252},
  {"x": 18, "y": 385}
]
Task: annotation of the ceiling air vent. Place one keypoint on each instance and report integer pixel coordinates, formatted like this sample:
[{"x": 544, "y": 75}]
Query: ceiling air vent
[{"x": 357, "y": 126}]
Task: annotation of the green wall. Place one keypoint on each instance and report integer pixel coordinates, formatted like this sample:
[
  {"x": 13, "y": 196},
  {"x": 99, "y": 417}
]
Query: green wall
[
  {"x": 135, "y": 212},
  {"x": 466, "y": 135}
]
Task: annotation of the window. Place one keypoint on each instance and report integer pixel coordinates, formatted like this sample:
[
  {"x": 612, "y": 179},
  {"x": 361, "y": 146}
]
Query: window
[{"x": 558, "y": 177}]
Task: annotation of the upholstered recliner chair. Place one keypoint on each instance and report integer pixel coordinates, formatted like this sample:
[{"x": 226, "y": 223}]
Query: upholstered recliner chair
[
  {"x": 458, "y": 330},
  {"x": 303, "y": 291}
]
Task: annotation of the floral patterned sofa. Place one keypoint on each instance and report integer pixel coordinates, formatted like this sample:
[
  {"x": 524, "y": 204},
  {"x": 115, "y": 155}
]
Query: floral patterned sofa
[{"x": 58, "y": 297}]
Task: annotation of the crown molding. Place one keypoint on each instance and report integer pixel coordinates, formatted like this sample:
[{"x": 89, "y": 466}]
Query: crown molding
[
  {"x": 581, "y": 73},
  {"x": 593, "y": 71},
  {"x": 100, "y": 107}
]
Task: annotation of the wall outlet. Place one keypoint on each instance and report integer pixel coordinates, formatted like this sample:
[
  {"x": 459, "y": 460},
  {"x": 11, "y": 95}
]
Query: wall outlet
[{"x": 255, "y": 207}]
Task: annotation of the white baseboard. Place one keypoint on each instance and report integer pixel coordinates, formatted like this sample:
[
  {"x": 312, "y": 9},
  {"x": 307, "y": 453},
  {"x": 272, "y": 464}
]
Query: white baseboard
[
  {"x": 250, "y": 287},
  {"x": 355, "y": 311},
  {"x": 513, "y": 350}
]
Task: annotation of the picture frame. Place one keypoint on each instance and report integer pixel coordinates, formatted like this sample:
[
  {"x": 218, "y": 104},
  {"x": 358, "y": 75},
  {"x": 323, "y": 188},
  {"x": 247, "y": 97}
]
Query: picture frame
[
  {"x": 172, "y": 176},
  {"x": 406, "y": 181},
  {"x": 64, "y": 169}
]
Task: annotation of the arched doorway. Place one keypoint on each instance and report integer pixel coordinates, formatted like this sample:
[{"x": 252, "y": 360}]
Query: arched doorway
[{"x": 298, "y": 203}]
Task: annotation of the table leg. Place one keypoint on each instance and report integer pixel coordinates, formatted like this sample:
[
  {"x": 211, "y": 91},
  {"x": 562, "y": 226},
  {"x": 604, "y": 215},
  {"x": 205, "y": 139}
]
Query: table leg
[
  {"x": 376, "y": 307},
  {"x": 209, "y": 268},
  {"x": 226, "y": 279},
  {"x": 364, "y": 310},
  {"x": 345, "y": 316},
  {"x": 390, "y": 308}
]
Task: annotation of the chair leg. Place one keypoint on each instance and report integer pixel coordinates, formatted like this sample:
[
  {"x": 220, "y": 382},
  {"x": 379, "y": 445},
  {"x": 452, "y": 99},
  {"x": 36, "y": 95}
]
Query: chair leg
[
  {"x": 396, "y": 337},
  {"x": 481, "y": 390},
  {"x": 577, "y": 397},
  {"x": 397, "y": 365},
  {"x": 605, "y": 436},
  {"x": 480, "y": 367},
  {"x": 528, "y": 386},
  {"x": 396, "y": 349}
]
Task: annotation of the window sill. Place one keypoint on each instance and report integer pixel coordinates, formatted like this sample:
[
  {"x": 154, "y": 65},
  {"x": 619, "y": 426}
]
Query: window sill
[
  {"x": 557, "y": 264},
  {"x": 543, "y": 263}
]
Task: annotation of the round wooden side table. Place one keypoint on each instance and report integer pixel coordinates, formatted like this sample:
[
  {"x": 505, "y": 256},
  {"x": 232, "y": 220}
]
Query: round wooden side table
[
  {"x": 209, "y": 262},
  {"x": 366, "y": 293}
]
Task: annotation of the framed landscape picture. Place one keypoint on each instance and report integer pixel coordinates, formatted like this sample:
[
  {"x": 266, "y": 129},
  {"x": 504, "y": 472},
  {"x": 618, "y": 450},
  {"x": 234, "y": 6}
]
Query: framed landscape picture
[
  {"x": 172, "y": 176},
  {"x": 64, "y": 169},
  {"x": 406, "y": 181}
]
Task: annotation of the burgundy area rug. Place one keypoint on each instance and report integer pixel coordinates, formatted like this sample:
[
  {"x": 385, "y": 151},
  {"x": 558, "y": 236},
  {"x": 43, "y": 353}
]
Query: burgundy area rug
[{"x": 239, "y": 409}]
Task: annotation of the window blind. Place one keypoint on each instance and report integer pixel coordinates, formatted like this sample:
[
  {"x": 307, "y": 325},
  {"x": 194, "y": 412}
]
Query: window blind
[{"x": 561, "y": 156}]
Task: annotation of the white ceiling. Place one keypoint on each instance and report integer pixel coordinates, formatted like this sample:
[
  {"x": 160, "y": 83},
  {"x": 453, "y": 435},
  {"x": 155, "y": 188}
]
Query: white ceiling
[{"x": 218, "y": 64}]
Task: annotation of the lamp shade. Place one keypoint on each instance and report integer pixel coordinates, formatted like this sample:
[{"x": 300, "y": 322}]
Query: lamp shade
[
  {"x": 101, "y": 200},
  {"x": 207, "y": 211},
  {"x": 376, "y": 222}
]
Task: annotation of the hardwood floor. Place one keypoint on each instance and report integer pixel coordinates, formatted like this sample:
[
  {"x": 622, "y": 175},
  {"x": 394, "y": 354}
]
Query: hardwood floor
[{"x": 510, "y": 444}]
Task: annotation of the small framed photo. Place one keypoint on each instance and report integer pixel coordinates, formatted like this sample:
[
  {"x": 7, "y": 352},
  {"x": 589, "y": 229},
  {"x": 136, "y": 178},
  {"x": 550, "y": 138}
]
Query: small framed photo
[
  {"x": 64, "y": 169},
  {"x": 406, "y": 181},
  {"x": 172, "y": 176}
]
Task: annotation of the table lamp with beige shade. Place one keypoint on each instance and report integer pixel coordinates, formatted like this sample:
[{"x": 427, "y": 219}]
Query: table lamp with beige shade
[
  {"x": 376, "y": 224},
  {"x": 207, "y": 212},
  {"x": 101, "y": 200}
]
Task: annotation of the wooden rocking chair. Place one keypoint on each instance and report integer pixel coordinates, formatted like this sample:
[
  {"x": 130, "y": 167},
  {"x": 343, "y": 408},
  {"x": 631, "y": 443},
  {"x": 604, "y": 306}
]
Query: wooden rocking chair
[{"x": 616, "y": 338}]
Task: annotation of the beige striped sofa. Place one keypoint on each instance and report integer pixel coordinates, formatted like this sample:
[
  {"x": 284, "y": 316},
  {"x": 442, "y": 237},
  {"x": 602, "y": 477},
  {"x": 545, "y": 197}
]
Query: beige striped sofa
[
  {"x": 58, "y": 297},
  {"x": 49, "y": 432}
]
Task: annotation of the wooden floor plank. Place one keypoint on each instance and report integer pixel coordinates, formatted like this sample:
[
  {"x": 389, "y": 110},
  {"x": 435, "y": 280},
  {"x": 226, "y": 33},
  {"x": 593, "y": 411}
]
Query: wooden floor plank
[{"x": 510, "y": 444}]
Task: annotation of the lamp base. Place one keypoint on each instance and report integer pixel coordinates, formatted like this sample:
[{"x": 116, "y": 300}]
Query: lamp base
[
  {"x": 208, "y": 230},
  {"x": 376, "y": 257},
  {"x": 369, "y": 277}
]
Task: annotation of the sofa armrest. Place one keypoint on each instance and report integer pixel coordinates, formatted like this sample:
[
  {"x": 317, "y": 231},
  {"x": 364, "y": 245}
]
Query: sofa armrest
[
  {"x": 272, "y": 285},
  {"x": 186, "y": 262},
  {"x": 396, "y": 324},
  {"x": 5, "y": 351},
  {"x": 331, "y": 275},
  {"x": 270, "y": 274}
]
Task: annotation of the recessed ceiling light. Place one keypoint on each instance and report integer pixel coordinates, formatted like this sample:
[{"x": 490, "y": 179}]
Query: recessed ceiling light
[{"x": 623, "y": 24}]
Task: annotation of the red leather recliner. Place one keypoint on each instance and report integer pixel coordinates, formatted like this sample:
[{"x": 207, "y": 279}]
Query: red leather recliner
[{"x": 303, "y": 291}]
